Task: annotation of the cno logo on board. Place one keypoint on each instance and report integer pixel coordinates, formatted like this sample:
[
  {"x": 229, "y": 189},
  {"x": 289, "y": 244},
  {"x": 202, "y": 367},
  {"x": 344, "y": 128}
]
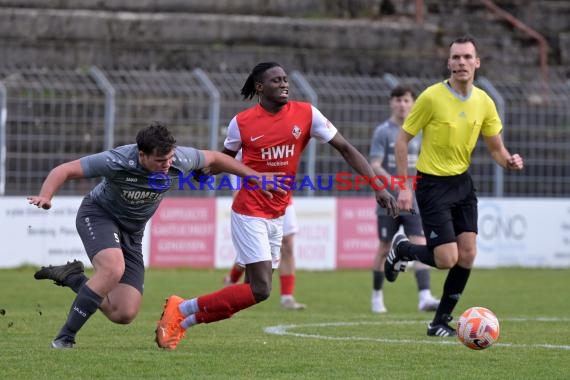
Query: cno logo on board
[{"x": 498, "y": 228}]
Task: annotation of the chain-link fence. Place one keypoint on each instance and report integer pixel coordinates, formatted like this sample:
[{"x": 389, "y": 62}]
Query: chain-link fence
[{"x": 52, "y": 116}]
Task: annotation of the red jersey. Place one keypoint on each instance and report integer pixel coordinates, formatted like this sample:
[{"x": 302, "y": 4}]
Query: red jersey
[{"x": 274, "y": 143}]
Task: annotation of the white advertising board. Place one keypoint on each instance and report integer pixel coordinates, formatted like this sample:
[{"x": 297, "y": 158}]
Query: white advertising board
[
  {"x": 315, "y": 244},
  {"x": 224, "y": 254},
  {"x": 528, "y": 232},
  {"x": 41, "y": 237}
]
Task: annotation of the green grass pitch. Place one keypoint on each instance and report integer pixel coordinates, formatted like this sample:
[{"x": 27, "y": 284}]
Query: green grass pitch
[{"x": 337, "y": 337}]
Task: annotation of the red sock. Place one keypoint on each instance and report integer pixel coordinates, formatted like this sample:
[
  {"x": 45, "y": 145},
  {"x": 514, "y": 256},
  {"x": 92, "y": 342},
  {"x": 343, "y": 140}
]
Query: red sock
[
  {"x": 202, "y": 317},
  {"x": 287, "y": 284},
  {"x": 235, "y": 273},
  {"x": 230, "y": 299}
]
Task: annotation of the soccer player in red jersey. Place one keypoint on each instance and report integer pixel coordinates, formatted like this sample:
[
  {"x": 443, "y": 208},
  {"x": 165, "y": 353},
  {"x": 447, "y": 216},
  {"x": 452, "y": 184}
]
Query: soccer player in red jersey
[
  {"x": 287, "y": 267},
  {"x": 272, "y": 135},
  {"x": 287, "y": 276}
]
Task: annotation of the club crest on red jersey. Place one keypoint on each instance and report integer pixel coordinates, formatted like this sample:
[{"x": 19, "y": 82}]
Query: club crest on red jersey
[{"x": 296, "y": 131}]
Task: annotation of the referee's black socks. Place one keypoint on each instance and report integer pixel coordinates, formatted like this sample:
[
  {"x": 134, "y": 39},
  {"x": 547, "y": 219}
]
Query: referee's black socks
[
  {"x": 452, "y": 289},
  {"x": 421, "y": 253}
]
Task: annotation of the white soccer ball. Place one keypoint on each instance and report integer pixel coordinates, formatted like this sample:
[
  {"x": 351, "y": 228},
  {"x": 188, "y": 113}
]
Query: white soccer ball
[{"x": 478, "y": 328}]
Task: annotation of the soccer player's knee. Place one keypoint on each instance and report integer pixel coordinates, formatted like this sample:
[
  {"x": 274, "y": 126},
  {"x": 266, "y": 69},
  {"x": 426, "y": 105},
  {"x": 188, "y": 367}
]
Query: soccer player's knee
[
  {"x": 445, "y": 261},
  {"x": 466, "y": 259},
  {"x": 124, "y": 317},
  {"x": 261, "y": 293},
  {"x": 112, "y": 276},
  {"x": 468, "y": 253},
  {"x": 446, "y": 256}
]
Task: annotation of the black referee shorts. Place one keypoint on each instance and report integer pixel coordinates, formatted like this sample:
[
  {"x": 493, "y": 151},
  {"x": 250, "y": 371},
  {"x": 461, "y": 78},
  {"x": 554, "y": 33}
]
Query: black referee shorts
[{"x": 448, "y": 207}]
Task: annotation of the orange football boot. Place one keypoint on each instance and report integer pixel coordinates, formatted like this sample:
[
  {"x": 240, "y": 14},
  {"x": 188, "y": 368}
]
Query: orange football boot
[{"x": 168, "y": 331}]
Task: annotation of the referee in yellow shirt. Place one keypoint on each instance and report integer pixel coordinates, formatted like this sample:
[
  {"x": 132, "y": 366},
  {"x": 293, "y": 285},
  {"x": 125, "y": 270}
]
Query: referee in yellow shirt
[{"x": 451, "y": 115}]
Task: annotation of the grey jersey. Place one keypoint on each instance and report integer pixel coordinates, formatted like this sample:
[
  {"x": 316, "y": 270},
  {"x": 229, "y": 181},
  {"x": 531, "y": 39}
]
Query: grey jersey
[
  {"x": 383, "y": 147},
  {"x": 125, "y": 192}
]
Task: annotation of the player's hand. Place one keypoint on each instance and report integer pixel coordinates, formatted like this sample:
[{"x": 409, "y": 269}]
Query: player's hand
[
  {"x": 515, "y": 162},
  {"x": 405, "y": 200},
  {"x": 269, "y": 183},
  {"x": 387, "y": 201},
  {"x": 201, "y": 175},
  {"x": 40, "y": 202}
]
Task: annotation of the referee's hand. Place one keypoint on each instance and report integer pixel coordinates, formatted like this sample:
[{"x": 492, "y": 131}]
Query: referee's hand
[
  {"x": 515, "y": 162},
  {"x": 405, "y": 200}
]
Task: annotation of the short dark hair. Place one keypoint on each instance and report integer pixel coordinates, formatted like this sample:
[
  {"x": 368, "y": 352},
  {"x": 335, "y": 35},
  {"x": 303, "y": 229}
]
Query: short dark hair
[
  {"x": 463, "y": 40},
  {"x": 248, "y": 89},
  {"x": 402, "y": 90},
  {"x": 156, "y": 138}
]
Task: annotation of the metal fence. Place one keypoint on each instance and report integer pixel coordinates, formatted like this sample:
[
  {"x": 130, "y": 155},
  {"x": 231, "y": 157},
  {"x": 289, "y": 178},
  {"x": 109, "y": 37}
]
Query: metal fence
[{"x": 51, "y": 116}]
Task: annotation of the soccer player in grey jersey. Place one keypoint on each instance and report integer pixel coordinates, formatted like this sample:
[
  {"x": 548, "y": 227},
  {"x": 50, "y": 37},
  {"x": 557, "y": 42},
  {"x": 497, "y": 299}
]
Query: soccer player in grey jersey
[
  {"x": 383, "y": 161},
  {"x": 112, "y": 218}
]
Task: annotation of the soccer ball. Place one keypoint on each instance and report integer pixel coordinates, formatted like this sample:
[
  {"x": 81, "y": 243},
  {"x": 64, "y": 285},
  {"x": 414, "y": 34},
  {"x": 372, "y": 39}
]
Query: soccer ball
[{"x": 478, "y": 328}]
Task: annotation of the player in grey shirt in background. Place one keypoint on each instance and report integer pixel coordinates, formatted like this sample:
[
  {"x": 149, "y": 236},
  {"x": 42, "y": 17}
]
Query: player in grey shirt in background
[
  {"x": 383, "y": 161},
  {"x": 112, "y": 218}
]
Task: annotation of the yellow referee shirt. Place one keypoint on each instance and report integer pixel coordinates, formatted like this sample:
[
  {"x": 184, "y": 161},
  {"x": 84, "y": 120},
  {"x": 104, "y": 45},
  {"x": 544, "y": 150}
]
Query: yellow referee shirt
[{"x": 451, "y": 125}]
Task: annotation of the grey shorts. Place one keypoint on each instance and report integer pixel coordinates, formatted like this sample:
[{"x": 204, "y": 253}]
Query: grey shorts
[
  {"x": 99, "y": 231},
  {"x": 388, "y": 226}
]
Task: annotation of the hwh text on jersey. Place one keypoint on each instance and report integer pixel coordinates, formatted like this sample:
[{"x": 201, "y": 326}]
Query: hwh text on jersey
[{"x": 278, "y": 152}]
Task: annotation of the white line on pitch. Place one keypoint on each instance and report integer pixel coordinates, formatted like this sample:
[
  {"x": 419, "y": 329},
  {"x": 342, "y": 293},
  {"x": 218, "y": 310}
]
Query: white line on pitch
[{"x": 284, "y": 330}]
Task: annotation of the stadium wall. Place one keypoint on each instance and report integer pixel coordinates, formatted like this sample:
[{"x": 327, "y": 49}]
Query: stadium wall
[
  {"x": 334, "y": 233},
  {"x": 72, "y": 38},
  {"x": 351, "y": 37}
]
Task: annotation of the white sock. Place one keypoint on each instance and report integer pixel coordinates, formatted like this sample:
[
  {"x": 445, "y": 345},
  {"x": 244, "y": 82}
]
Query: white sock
[
  {"x": 425, "y": 294},
  {"x": 378, "y": 296},
  {"x": 189, "y": 306},
  {"x": 188, "y": 322}
]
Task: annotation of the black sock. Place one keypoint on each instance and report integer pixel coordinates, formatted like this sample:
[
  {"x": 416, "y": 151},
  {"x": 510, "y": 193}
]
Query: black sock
[
  {"x": 422, "y": 278},
  {"x": 76, "y": 281},
  {"x": 377, "y": 280},
  {"x": 452, "y": 289},
  {"x": 421, "y": 253},
  {"x": 85, "y": 304}
]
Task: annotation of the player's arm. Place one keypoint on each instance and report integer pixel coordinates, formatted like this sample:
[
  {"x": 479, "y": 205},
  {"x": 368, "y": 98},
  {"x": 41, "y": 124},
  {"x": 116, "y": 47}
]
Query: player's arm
[
  {"x": 359, "y": 163},
  {"x": 376, "y": 164},
  {"x": 501, "y": 155},
  {"x": 55, "y": 179},
  {"x": 232, "y": 139},
  {"x": 233, "y": 178},
  {"x": 220, "y": 162},
  {"x": 405, "y": 196},
  {"x": 378, "y": 150},
  {"x": 209, "y": 170}
]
